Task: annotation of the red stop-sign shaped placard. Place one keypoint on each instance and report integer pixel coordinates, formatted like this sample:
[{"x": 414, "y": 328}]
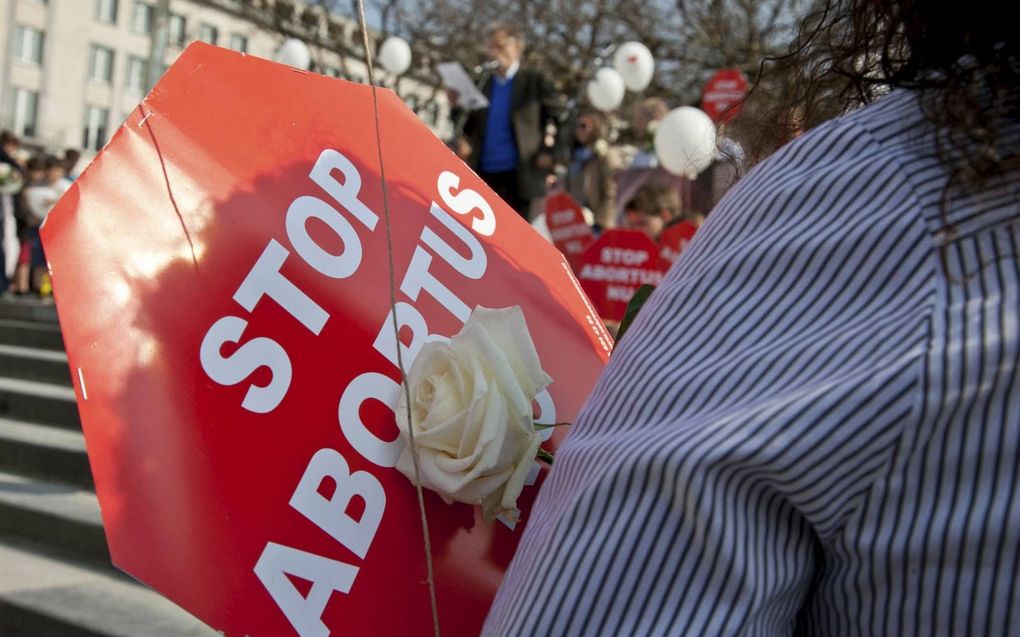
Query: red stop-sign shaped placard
[
  {"x": 726, "y": 88},
  {"x": 222, "y": 280},
  {"x": 674, "y": 239},
  {"x": 615, "y": 266},
  {"x": 570, "y": 233}
]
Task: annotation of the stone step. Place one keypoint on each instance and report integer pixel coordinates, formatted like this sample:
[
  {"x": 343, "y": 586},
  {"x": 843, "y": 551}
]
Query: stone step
[
  {"x": 36, "y": 402},
  {"x": 59, "y": 519},
  {"x": 44, "y": 597},
  {"x": 29, "y": 363},
  {"x": 31, "y": 334},
  {"x": 28, "y": 308},
  {"x": 45, "y": 453}
]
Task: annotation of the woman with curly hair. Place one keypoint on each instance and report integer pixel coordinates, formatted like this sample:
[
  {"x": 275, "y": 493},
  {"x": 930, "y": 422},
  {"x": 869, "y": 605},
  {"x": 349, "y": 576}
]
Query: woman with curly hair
[{"x": 813, "y": 427}]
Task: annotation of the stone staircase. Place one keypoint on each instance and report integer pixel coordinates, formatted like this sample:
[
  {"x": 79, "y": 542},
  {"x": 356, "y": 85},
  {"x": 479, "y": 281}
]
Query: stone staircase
[{"x": 56, "y": 578}]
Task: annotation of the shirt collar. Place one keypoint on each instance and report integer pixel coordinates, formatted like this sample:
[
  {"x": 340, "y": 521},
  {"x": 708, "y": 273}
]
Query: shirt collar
[{"x": 510, "y": 72}]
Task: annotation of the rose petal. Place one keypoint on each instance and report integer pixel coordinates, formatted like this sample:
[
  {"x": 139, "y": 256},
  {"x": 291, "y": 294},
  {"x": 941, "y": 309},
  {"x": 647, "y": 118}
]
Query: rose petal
[
  {"x": 476, "y": 412},
  {"x": 476, "y": 343},
  {"x": 508, "y": 328},
  {"x": 515, "y": 483}
]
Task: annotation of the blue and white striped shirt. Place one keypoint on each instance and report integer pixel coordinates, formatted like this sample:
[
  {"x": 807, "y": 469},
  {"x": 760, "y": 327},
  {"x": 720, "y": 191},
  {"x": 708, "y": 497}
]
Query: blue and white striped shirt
[{"x": 813, "y": 426}]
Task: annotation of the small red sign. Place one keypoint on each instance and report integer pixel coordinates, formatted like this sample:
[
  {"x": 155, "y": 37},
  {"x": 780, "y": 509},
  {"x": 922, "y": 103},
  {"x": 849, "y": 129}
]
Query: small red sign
[
  {"x": 615, "y": 266},
  {"x": 570, "y": 233},
  {"x": 726, "y": 88},
  {"x": 674, "y": 239}
]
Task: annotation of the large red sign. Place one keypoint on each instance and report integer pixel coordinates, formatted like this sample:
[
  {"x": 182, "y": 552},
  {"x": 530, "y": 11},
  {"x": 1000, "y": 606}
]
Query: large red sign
[
  {"x": 615, "y": 266},
  {"x": 222, "y": 279},
  {"x": 726, "y": 88},
  {"x": 570, "y": 233},
  {"x": 674, "y": 239}
]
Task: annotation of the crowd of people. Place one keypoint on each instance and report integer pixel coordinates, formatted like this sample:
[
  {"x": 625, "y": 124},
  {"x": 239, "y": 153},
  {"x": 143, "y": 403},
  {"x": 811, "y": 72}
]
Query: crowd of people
[
  {"x": 529, "y": 142},
  {"x": 35, "y": 184}
]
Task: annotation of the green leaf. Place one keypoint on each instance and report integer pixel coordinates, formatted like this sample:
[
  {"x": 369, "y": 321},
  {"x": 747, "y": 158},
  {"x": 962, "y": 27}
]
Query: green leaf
[
  {"x": 633, "y": 307},
  {"x": 539, "y": 427},
  {"x": 545, "y": 456}
]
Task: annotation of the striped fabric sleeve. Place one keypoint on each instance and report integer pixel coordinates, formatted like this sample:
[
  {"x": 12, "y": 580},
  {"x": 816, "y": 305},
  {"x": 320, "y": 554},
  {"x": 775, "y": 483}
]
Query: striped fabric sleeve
[{"x": 751, "y": 407}]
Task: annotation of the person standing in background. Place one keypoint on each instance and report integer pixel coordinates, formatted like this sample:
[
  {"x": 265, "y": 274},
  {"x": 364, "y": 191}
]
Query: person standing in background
[
  {"x": 644, "y": 120},
  {"x": 9, "y": 144},
  {"x": 505, "y": 143},
  {"x": 12, "y": 182},
  {"x": 590, "y": 173},
  {"x": 652, "y": 209},
  {"x": 39, "y": 198},
  {"x": 71, "y": 158}
]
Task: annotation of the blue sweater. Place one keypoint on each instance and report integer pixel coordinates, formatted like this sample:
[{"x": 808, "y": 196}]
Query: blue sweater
[{"x": 499, "y": 149}]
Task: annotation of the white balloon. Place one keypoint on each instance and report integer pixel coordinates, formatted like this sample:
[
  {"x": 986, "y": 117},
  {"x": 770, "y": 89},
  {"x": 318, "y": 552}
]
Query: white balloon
[
  {"x": 635, "y": 64},
  {"x": 294, "y": 52},
  {"x": 605, "y": 90},
  {"x": 395, "y": 55},
  {"x": 685, "y": 141}
]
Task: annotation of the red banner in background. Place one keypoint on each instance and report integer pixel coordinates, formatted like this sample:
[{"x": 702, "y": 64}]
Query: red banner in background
[
  {"x": 615, "y": 266},
  {"x": 222, "y": 279},
  {"x": 570, "y": 233},
  {"x": 674, "y": 239}
]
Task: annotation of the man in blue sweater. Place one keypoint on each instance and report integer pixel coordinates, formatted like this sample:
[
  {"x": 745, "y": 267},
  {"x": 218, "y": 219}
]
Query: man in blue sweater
[{"x": 505, "y": 143}]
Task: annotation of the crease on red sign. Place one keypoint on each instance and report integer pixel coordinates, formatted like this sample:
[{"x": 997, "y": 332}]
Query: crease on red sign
[{"x": 169, "y": 188}]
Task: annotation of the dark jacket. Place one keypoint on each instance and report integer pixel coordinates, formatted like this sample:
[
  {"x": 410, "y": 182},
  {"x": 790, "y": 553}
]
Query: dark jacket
[{"x": 533, "y": 104}]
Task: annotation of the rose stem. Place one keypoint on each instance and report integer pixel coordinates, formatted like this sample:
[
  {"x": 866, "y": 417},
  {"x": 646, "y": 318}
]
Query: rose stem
[{"x": 545, "y": 456}]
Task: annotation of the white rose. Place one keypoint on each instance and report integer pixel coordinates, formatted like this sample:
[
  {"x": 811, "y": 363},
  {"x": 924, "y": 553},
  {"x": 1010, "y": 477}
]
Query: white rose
[{"x": 471, "y": 405}]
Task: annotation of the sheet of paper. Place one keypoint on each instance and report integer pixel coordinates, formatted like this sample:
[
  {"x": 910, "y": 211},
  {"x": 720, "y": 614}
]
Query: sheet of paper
[{"x": 454, "y": 77}]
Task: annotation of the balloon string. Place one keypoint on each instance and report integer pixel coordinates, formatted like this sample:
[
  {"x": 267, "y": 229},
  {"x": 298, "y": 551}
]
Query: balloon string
[{"x": 427, "y": 544}]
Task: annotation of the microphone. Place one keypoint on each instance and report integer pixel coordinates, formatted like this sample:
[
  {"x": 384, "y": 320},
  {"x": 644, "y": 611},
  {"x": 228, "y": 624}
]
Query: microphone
[{"x": 491, "y": 65}]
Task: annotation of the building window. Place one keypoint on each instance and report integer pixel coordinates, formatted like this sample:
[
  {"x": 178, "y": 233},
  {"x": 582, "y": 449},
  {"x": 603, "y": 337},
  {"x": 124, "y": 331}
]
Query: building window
[
  {"x": 178, "y": 30},
  {"x": 106, "y": 11},
  {"x": 101, "y": 64},
  {"x": 135, "y": 80},
  {"x": 239, "y": 42},
  {"x": 208, "y": 33},
  {"x": 22, "y": 111},
  {"x": 28, "y": 45},
  {"x": 94, "y": 135},
  {"x": 141, "y": 18}
]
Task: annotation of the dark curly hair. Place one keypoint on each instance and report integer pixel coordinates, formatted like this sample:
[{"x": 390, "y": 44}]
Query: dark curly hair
[{"x": 963, "y": 61}]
